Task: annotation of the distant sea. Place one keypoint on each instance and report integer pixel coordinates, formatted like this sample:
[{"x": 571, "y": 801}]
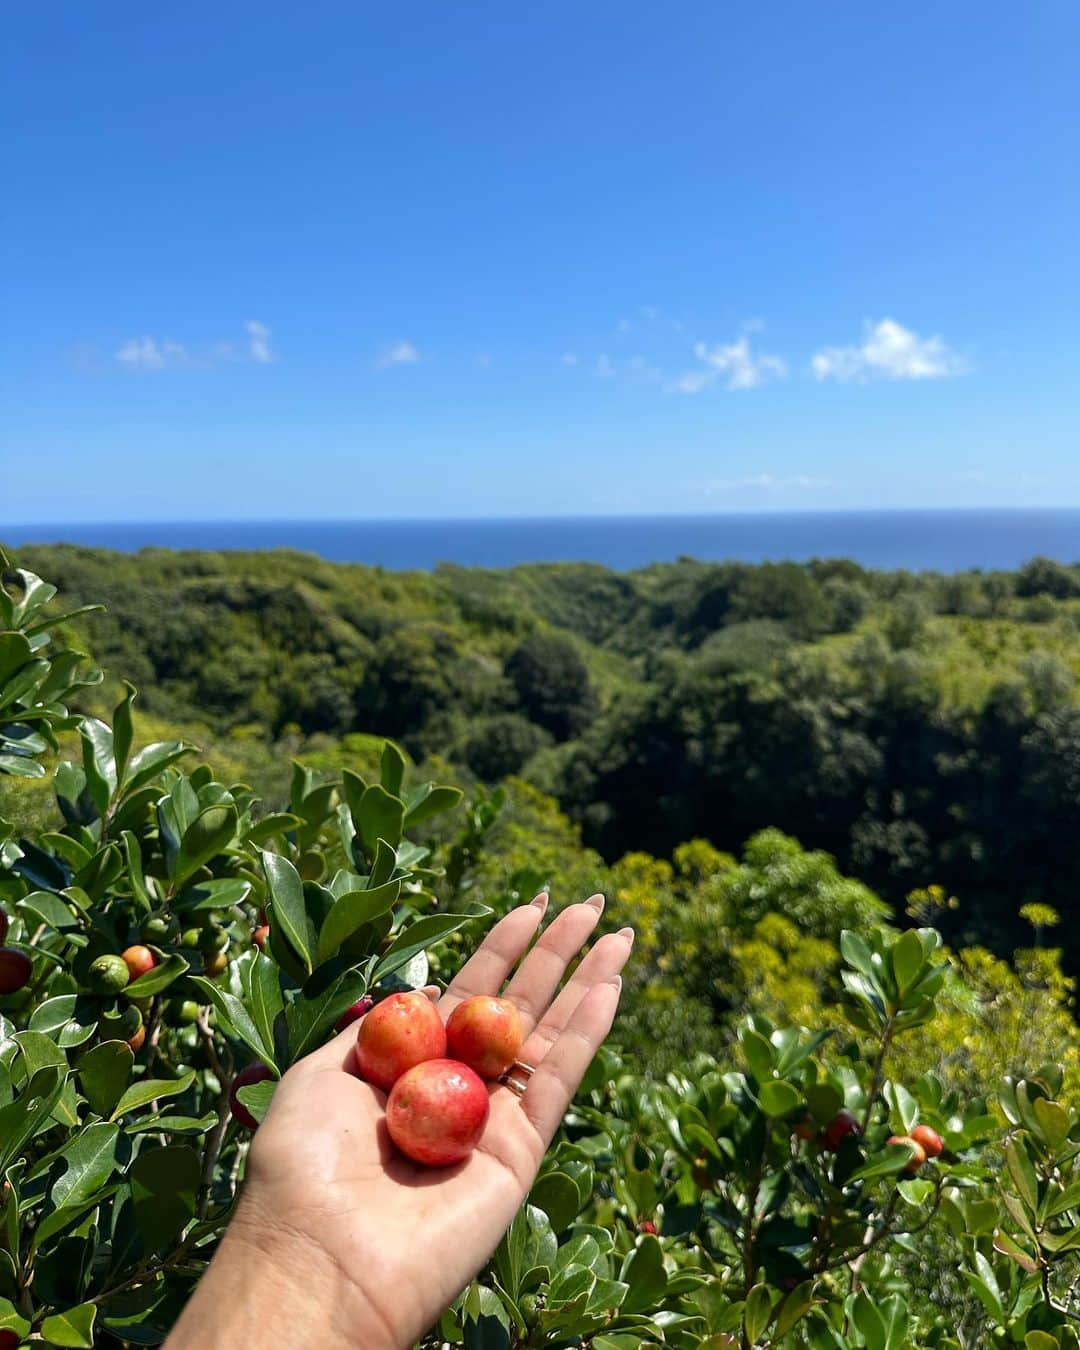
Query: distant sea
[{"x": 939, "y": 540}]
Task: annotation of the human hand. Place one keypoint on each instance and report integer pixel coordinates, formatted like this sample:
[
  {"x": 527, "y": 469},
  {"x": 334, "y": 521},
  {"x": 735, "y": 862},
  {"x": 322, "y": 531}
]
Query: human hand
[{"x": 363, "y": 1247}]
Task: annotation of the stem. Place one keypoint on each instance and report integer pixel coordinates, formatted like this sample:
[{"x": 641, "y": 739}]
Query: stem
[
  {"x": 879, "y": 1072},
  {"x": 216, "y": 1137}
]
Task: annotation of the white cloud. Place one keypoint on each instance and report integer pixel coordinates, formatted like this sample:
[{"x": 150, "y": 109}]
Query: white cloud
[
  {"x": 147, "y": 353},
  {"x": 401, "y": 353},
  {"x": 259, "y": 342},
  {"x": 889, "y": 351},
  {"x": 570, "y": 358},
  {"x": 735, "y": 365},
  {"x": 768, "y": 482}
]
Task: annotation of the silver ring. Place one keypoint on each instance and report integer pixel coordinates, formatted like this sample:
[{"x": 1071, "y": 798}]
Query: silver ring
[{"x": 517, "y": 1076}]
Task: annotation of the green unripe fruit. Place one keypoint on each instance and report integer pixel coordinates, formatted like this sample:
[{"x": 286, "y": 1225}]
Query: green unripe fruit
[
  {"x": 188, "y": 1012},
  {"x": 159, "y": 928},
  {"x": 108, "y": 974},
  {"x": 191, "y": 937}
]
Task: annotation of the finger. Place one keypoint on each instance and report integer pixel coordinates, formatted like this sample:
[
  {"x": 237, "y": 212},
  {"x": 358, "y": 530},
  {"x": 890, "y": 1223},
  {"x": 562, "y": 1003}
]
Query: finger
[
  {"x": 540, "y": 974},
  {"x": 486, "y": 970},
  {"x": 603, "y": 960},
  {"x": 551, "y": 1088}
]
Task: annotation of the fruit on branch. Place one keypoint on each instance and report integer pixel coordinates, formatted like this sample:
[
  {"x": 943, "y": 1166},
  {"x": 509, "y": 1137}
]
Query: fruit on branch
[
  {"x": 254, "y": 1073},
  {"x": 15, "y": 969},
  {"x": 354, "y": 1012},
  {"x": 188, "y": 1012},
  {"x": 647, "y": 1226},
  {"x": 918, "y": 1153},
  {"x": 437, "y": 1111},
  {"x": 9, "y": 1340},
  {"x": 139, "y": 960},
  {"x": 398, "y": 1033},
  {"x": 805, "y": 1128},
  {"x": 213, "y": 939},
  {"x": 843, "y": 1124},
  {"x": 159, "y": 928},
  {"x": 485, "y": 1033},
  {"x": 931, "y": 1141},
  {"x": 190, "y": 937},
  {"x": 108, "y": 974},
  {"x": 135, "y": 1043},
  {"x": 4, "y": 922},
  {"x": 216, "y": 963},
  {"x": 261, "y": 936}
]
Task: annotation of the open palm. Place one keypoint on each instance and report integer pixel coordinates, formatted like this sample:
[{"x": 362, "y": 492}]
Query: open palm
[{"x": 403, "y": 1240}]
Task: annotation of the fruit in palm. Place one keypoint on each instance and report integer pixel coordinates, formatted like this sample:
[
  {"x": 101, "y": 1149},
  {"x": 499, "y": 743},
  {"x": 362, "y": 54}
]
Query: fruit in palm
[
  {"x": 15, "y": 969},
  {"x": 918, "y": 1153},
  {"x": 139, "y": 960},
  {"x": 485, "y": 1033},
  {"x": 437, "y": 1111},
  {"x": 843, "y": 1124},
  {"x": 354, "y": 1012},
  {"x": 402, "y": 1031},
  {"x": 254, "y": 1073},
  {"x": 931, "y": 1141},
  {"x": 108, "y": 974}
]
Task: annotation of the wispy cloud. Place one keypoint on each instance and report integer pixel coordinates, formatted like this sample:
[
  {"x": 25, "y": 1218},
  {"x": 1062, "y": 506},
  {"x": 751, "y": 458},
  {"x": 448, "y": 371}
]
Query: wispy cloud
[
  {"x": 732, "y": 365},
  {"x": 150, "y": 353},
  {"x": 889, "y": 351},
  {"x": 401, "y": 353},
  {"x": 767, "y": 482},
  {"x": 259, "y": 348},
  {"x": 147, "y": 353}
]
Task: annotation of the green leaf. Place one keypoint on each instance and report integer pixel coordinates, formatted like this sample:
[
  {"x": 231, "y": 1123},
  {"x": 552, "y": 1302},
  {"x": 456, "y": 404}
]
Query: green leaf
[
  {"x": 795, "y": 1307},
  {"x": 146, "y": 1090},
  {"x": 1054, "y": 1121},
  {"x": 417, "y": 937},
  {"x": 98, "y": 764},
  {"x": 869, "y": 1322},
  {"x": 257, "y": 1096},
  {"x": 431, "y": 803},
  {"x": 643, "y": 1271},
  {"x": 380, "y": 816},
  {"x": 238, "y": 1018},
  {"x": 557, "y": 1195},
  {"x": 906, "y": 957},
  {"x": 279, "y": 823},
  {"x": 73, "y": 1328},
  {"x": 1009, "y": 1247},
  {"x": 10, "y": 1319},
  {"x": 757, "y": 1313},
  {"x": 21, "y": 1119},
  {"x": 778, "y": 1098},
  {"x": 903, "y": 1108},
  {"x": 351, "y": 911},
  {"x": 123, "y": 732},
  {"x": 164, "y": 1189},
  {"x": 162, "y": 975},
  {"x": 760, "y": 1053},
  {"x": 49, "y": 909},
  {"x": 984, "y": 1284},
  {"x": 894, "y": 1159},
  {"x": 1041, "y": 1340},
  {"x": 287, "y": 907},
  {"x": 265, "y": 1000},
  {"x": 856, "y": 952},
  {"x": 103, "y": 1074},
  {"x": 91, "y": 1159},
  {"x": 221, "y": 893},
  {"x": 1023, "y": 1173},
  {"x": 319, "y": 1005},
  {"x": 392, "y": 768},
  {"x": 153, "y": 760},
  {"x": 208, "y": 835}
]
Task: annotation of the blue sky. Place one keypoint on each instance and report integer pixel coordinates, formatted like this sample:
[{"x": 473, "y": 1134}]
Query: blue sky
[{"x": 580, "y": 258}]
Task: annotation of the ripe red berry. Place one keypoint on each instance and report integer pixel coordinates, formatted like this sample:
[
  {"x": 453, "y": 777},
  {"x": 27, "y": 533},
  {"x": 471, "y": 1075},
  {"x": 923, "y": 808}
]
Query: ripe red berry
[
  {"x": 918, "y": 1153},
  {"x": 930, "y": 1140},
  {"x": 261, "y": 936},
  {"x": 254, "y": 1073},
  {"x": 844, "y": 1123},
  {"x": 485, "y": 1033},
  {"x": 354, "y": 1012},
  {"x": 139, "y": 960},
  {"x": 9, "y": 1340},
  {"x": 437, "y": 1111},
  {"x": 398, "y": 1033},
  {"x": 15, "y": 970},
  {"x": 4, "y": 921},
  {"x": 647, "y": 1226}
]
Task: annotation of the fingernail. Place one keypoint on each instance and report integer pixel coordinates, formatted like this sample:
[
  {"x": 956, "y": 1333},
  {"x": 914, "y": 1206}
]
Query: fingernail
[
  {"x": 597, "y": 902},
  {"x": 628, "y": 934},
  {"x": 616, "y": 980},
  {"x": 541, "y": 901}
]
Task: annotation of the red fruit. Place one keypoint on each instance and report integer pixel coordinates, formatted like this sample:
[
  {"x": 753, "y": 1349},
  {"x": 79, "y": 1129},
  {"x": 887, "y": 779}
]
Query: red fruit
[
  {"x": 930, "y": 1140},
  {"x": 4, "y": 921},
  {"x": 918, "y": 1153},
  {"x": 838, "y": 1129},
  {"x": 261, "y": 936},
  {"x": 485, "y": 1033},
  {"x": 139, "y": 960},
  {"x": 9, "y": 1340},
  {"x": 398, "y": 1033},
  {"x": 806, "y": 1129},
  {"x": 647, "y": 1226},
  {"x": 136, "y": 1042},
  {"x": 437, "y": 1111},
  {"x": 254, "y": 1073},
  {"x": 15, "y": 968},
  {"x": 354, "y": 1012}
]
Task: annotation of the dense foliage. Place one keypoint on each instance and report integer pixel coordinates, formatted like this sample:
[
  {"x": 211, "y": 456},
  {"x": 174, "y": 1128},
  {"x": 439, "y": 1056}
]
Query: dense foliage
[
  {"x": 914, "y": 726},
  {"x": 726, "y": 1178}
]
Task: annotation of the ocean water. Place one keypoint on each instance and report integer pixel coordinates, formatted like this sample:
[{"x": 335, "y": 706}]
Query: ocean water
[{"x": 946, "y": 541}]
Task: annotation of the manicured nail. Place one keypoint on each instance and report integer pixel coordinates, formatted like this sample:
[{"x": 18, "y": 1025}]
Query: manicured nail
[
  {"x": 616, "y": 981},
  {"x": 628, "y": 934},
  {"x": 541, "y": 901},
  {"x": 597, "y": 902}
]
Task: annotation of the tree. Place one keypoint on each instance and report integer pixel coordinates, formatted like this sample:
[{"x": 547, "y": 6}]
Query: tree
[{"x": 552, "y": 684}]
